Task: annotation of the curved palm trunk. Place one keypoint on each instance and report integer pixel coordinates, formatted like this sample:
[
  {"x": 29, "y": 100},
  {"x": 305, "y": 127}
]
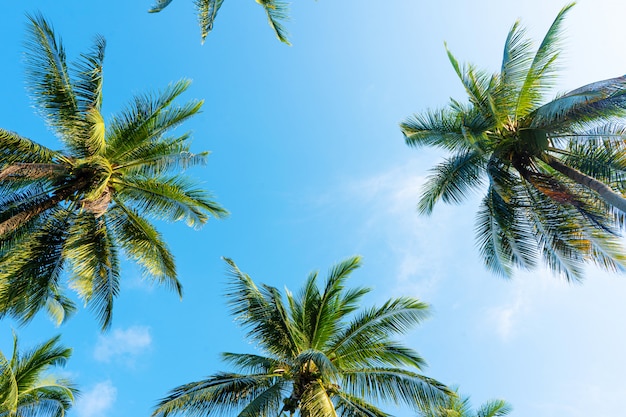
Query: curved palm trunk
[
  {"x": 30, "y": 171},
  {"x": 611, "y": 197},
  {"x": 19, "y": 219}
]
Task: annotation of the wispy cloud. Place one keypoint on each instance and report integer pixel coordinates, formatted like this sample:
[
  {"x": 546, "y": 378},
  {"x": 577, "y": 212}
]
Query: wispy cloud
[
  {"x": 97, "y": 401},
  {"x": 123, "y": 344},
  {"x": 504, "y": 318},
  {"x": 387, "y": 201},
  {"x": 529, "y": 293}
]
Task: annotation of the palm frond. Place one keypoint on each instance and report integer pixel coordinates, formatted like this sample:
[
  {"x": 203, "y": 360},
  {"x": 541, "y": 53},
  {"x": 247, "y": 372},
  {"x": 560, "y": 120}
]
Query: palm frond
[
  {"x": 600, "y": 101},
  {"x": 317, "y": 361},
  {"x": 277, "y": 11},
  {"x": 50, "y": 84},
  {"x": 516, "y": 61},
  {"x": 266, "y": 403},
  {"x": 353, "y": 406},
  {"x": 316, "y": 401},
  {"x": 157, "y": 158},
  {"x": 452, "y": 179},
  {"x": 477, "y": 84},
  {"x": 147, "y": 118},
  {"x": 172, "y": 199},
  {"x": 59, "y": 307},
  {"x": 369, "y": 333},
  {"x": 376, "y": 353},
  {"x": 254, "y": 363},
  {"x": 143, "y": 243},
  {"x": 25, "y": 390},
  {"x": 18, "y": 149},
  {"x": 494, "y": 408},
  {"x": 95, "y": 265},
  {"x": 261, "y": 312},
  {"x": 207, "y": 11},
  {"x": 220, "y": 394},
  {"x": 31, "y": 273},
  {"x": 542, "y": 72},
  {"x": 88, "y": 89},
  {"x": 159, "y": 5},
  {"x": 8, "y": 383},
  {"x": 503, "y": 237},
  {"x": 559, "y": 240},
  {"x": 451, "y": 130},
  {"x": 326, "y": 313},
  {"x": 516, "y": 58},
  {"x": 397, "y": 386},
  {"x": 31, "y": 365}
]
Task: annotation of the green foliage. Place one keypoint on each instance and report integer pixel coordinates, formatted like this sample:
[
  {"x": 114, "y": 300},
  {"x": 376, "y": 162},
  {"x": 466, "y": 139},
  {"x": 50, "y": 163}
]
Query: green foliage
[
  {"x": 458, "y": 406},
  {"x": 26, "y": 388},
  {"x": 554, "y": 172},
  {"x": 277, "y": 12},
  {"x": 69, "y": 212},
  {"x": 320, "y": 356}
]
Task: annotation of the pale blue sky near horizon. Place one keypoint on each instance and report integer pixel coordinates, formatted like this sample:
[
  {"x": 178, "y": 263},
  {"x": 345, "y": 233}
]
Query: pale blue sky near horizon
[{"x": 308, "y": 157}]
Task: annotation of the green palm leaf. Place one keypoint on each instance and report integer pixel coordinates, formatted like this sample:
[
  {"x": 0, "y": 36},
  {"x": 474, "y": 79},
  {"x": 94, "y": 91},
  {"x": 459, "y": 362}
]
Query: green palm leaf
[
  {"x": 159, "y": 5},
  {"x": 50, "y": 83},
  {"x": 319, "y": 356},
  {"x": 555, "y": 170},
  {"x": 72, "y": 211},
  {"x": 27, "y": 388},
  {"x": 207, "y": 11},
  {"x": 31, "y": 272},
  {"x": 221, "y": 394},
  {"x": 143, "y": 243},
  {"x": 451, "y": 180},
  {"x": 15, "y": 148},
  {"x": 353, "y": 406},
  {"x": 599, "y": 100},
  {"x": 95, "y": 265},
  {"x": 277, "y": 11}
]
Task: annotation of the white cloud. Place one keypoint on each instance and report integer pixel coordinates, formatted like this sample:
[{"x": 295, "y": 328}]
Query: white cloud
[
  {"x": 123, "y": 344},
  {"x": 504, "y": 318},
  {"x": 416, "y": 246},
  {"x": 96, "y": 401}
]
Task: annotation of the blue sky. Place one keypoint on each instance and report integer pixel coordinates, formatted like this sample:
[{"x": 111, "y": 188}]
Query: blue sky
[{"x": 308, "y": 157}]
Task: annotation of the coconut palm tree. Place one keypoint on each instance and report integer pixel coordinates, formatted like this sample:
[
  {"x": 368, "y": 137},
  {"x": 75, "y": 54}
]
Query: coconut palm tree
[
  {"x": 26, "y": 389},
  {"x": 319, "y": 356},
  {"x": 457, "y": 406},
  {"x": 554, "y": 171},
  {"x": 74, "y": 209},
  {"x": 277, "y": 11}
]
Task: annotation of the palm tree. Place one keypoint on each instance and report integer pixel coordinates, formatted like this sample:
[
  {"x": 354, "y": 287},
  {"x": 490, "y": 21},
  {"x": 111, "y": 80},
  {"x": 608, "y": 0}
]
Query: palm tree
[
  {"x": 555, "y": 171},
  {"x": 318, "y": 356},
  {"x": 75, "y": 209},
  {"x": 26, "y": 389},
  {"x": 276, "y": 11},
  {"x": 457, "y": 406}
]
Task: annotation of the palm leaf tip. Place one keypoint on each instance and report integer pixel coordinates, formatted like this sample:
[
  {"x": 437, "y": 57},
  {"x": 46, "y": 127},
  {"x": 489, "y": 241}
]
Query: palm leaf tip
[
  {"x": 277, "y": 11},
  {"x": 159, "y": 5}
]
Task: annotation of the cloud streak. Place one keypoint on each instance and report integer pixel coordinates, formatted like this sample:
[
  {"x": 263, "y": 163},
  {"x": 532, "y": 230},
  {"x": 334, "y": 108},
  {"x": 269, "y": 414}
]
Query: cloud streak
[
  {"x": 97, "y": 401},
  {"x": 123, "y": 344}
]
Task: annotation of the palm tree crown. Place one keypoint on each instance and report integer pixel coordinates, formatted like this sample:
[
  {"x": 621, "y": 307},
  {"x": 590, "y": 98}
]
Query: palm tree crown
[
  {"x": 555, "y": 171},
  {"x": 457, "y": 406},
  {"x": 74, "y": 209},
  {"x": 26, "y": 390},
  {"x": 276, "y": 10},
  {"x": 315, "y": 361}
]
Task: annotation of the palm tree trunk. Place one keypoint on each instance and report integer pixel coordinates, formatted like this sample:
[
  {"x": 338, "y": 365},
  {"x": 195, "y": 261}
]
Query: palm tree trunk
[
  {"x": 19, "y": 219},
  {"x": 14, "y": 222},
  {"x": 608, "y": 195},
  {"x": 30, "y": 171}
]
